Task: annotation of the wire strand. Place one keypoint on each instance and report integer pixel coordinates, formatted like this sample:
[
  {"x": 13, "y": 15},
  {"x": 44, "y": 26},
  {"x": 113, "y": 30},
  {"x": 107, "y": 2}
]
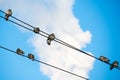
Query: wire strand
[
  {"x": 56, "y": 39},
  {"x": 24, "y": 22},
  {"x": 46, "y": 63}
]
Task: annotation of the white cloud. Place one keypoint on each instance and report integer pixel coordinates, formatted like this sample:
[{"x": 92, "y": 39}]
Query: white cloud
[{"x": 55, "y": 16}]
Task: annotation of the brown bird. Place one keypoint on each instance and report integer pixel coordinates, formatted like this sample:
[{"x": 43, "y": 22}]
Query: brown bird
[
  {"x": 19, "y": 51},
  {"x": 36, "y": 30},
  {"x": 50, "y": 38},
  {"x": 31, "y": 56},
  {"x": 7, "y": 14},
  {"x": 114, "y": 64}
]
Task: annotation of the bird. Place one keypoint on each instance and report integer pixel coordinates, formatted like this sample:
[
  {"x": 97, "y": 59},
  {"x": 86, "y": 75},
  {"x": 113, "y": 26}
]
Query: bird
[
  {"x": 114, "y": 64},
  {"x": 31, "y": 56},
  {"x": 7, "y": 14},
  {"x": 104, "y": 59},
  {"x": 19, "y": 51},
  {"x": 50, "y": 38},
  {"x": 36, "y": 30}
]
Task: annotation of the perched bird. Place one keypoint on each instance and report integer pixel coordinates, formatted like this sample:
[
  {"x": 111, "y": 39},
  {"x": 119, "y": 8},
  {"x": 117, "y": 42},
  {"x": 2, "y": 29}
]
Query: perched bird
[
  {"x": 8, "y": 13},
  {"x": 50, "y": 38},
  {"x": 31, "y": 56},
  {"x": 104, "y": 59},
  {"x": 36, "y": 30},
  {"x": 114, "y": 64},
  {"x": 19, "y": 51}
]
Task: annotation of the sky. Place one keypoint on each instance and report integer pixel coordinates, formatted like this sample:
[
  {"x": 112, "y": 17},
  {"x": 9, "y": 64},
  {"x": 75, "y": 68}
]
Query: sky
[{"x": 90, "y": 25}]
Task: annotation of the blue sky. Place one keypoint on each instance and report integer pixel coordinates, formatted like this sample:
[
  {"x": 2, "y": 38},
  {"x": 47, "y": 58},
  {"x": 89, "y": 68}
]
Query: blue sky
[{"x": 101, "y": 18}]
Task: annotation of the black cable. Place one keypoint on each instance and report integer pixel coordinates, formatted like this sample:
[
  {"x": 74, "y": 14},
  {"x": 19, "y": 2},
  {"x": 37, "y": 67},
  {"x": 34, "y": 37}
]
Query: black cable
[
  {"x": 28, "y": 24},
  {"x": 23, "y": 26},
  {"x": 56, "y": 39},
  {"x": 45, "y": 63},
  {"x": 17, "y": 24},
  {"x": 24, "y": 22},
  {"x": 70, "y": 46}
]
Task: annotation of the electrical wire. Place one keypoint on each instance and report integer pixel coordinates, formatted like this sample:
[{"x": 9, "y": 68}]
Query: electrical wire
[
  {"x": 46, "y": 63},
  {"x": 56, "y": 39},
  {"x": 44, "y": 34},
  {"x": 24, "y": 22}
]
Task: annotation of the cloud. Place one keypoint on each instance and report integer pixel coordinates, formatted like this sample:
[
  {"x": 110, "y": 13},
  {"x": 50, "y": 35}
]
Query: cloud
[{"x": 55, "y": 16}]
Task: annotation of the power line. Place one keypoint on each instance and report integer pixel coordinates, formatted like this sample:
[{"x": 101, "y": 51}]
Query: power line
[
  {"x": 44, "y": 34},
  {"x": 24, "y": 22},
  {"x": 46, "y": 64},
  {"x": 56, "y": 39}
]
